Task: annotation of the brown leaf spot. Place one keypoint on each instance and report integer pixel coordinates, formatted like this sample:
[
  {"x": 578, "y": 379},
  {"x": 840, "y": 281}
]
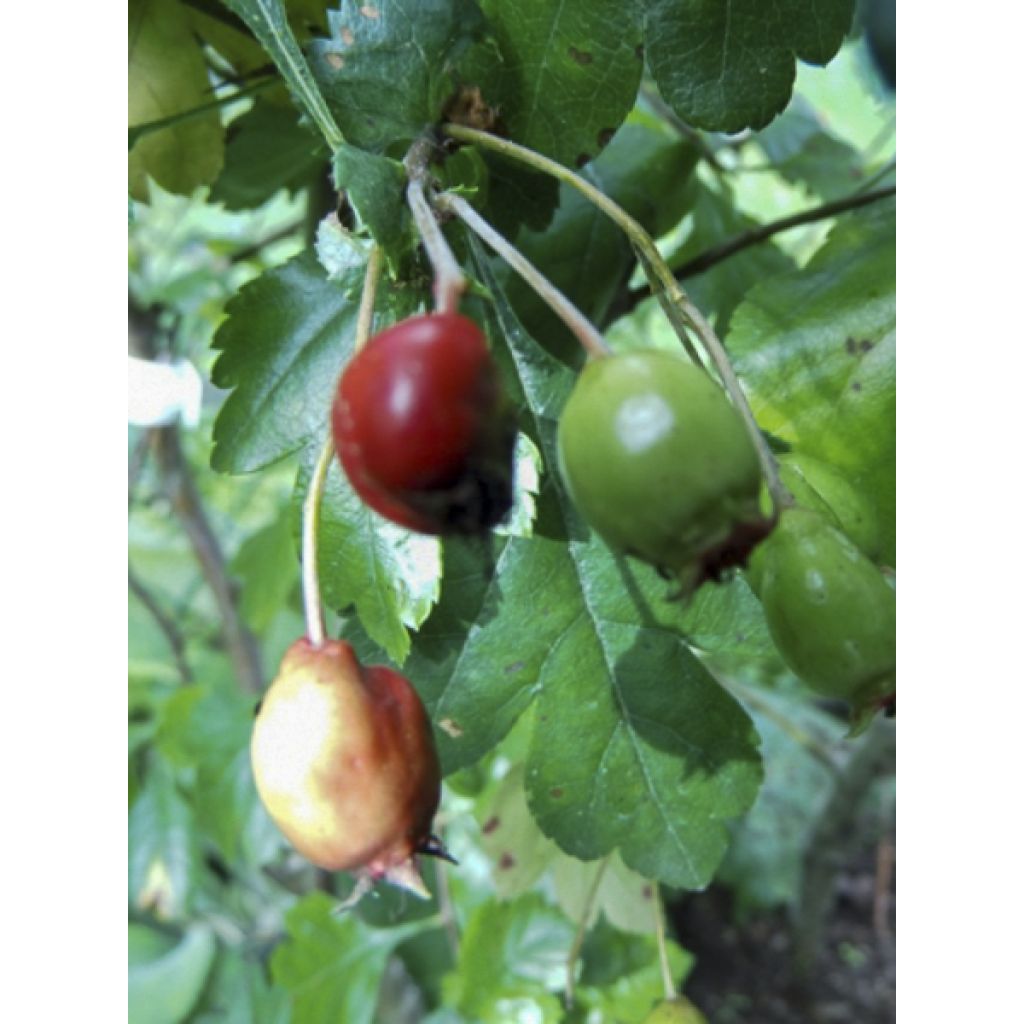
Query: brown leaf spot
[
  {"x": 639, "y": 51},
  {"x": 604, "y": 136},
  {"x": 335, "y": 60},
  {"x": 556, "y": 792},
  {"x": 581, "y": 56},
  {"x": 346, "y": 36},
  {"x": 507, "y": 861},
  {"x": 851, "y": 346},
  {"x": 583, "y": 159},
  {"x": 516, "y": 666},
  {"x": 450, "y": 726},
  {"x": 647, "y": 892},
  {"x": 369, "y": 11},
  {"x": 490, "y": 825}
]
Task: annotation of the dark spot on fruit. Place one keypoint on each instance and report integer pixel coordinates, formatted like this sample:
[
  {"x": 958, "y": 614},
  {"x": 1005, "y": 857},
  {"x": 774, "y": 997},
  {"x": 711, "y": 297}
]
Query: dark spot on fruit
[
  {"x": 490, "y": 826},
  {"x": 507, "y": 861},
  {"x": 604, "y": 136},
  {"x": 582, "y": 160},
  {"x": 556, "y": 792},
  {"x": 516, "y": 666},
  {"x": 647, "y": 892},
  {"x": 581, "y": 56}
]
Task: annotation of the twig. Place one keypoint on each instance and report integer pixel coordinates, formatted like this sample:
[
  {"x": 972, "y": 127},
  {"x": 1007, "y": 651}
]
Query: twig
[
  {"x": 312, "y": 605},
  {"x": 716, "y": 254},
  {"x": 581, "y": 933},
  {"x": 586, "y": 333},
  {"x": 885, "y": 861},
  {"x": 180, "y": 488},
  {"x": 163, "y": 621},
  {"x": 449, "y": 281}
]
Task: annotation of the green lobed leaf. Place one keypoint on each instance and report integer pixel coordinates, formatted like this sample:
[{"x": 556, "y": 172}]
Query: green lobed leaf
[
  {"x": 635, "y": 745},
  {"x": 728, "y": 66},
  {"x": 268, "y": 150},
  {"x": 390, "y": 575},
  {"x": 166, "y": 77},
  {"x": 375, "y": 189},
  {"x": 816, "y": 350},
  {"x": 286, "y": 337},
  {"x": 332, "y": 966},
  {"x": 511, "y": 954},
  {"x": 386, "y": 69},
  {"x": 562, "y": 77}
]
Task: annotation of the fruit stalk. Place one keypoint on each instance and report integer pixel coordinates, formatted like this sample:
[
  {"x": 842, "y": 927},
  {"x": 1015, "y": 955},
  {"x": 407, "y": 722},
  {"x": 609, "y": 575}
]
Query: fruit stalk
[
  {"x": 686, "y": 316},
  {"x": 312, "y": 606},
  {"x": 449, "y": 281},
  {"x": 586, "y": 333}
]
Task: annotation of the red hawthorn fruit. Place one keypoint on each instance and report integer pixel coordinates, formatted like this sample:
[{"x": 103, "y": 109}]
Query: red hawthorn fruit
[
  {"x": 344, "y": 761},
  {"x": 423, "y": 430}
]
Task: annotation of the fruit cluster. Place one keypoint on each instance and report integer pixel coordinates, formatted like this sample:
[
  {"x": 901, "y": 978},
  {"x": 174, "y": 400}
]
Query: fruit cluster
[{"x": 661, "y": 466}]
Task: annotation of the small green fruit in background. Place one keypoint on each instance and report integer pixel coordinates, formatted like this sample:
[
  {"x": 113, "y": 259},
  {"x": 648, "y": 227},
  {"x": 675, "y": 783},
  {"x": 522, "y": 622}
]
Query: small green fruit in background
[
  {"x": 675, "y": 1011},
  {"x": 830, "y": 610},
  {"x": 659, "y": 463}
]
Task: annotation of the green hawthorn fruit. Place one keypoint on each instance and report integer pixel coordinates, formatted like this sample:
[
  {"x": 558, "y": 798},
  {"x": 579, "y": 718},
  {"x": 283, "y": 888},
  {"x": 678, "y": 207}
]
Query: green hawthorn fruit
[
  {"x": 344, "y": 761},
  {"x": 678, "y": 1010},
  {"x": 829, "y": 609},
  {"x": 818, "y": 486},
  {"x": 659, "y": 463}
]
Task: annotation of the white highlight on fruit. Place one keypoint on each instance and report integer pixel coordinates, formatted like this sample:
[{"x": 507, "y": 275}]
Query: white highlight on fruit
[
  {"x": 284, "y": 744},
  {"x": 642, "y": 421}
]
